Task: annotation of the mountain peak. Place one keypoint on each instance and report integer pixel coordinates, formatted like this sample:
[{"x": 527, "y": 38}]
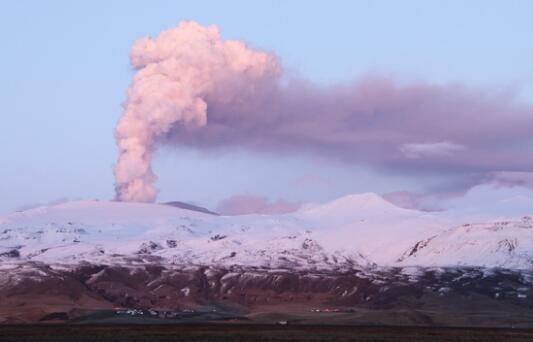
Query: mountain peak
[
  {"x": 353, "y": 202},
  {"x": 366, "y": 198}
]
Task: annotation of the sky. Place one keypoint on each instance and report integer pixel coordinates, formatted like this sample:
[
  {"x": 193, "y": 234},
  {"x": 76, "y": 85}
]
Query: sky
[{"x": 66, "y": 71}]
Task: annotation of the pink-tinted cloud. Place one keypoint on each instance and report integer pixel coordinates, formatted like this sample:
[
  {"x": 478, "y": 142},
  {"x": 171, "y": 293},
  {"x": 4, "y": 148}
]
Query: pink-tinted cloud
[
  {"x": 194, "y": 89},
  {"x": 178, "y": 74},
  {"x": 377, "y": 122},
  {"x": 251, "y": 204}
]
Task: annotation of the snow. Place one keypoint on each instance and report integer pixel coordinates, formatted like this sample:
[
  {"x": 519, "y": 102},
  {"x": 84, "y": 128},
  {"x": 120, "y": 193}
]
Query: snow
[
  {"x": 507, "y": 244},
  {"x": 355, "y": 231}
]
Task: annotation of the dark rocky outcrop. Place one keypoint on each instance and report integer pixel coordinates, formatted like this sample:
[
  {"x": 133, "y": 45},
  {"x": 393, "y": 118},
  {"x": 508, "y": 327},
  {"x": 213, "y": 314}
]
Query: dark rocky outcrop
[{"x": 156, "y": 286}]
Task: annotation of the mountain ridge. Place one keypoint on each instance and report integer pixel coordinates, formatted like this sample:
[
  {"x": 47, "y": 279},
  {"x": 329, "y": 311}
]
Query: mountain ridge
[
  {"x": 357, "y": 230},
  {"x": 91, "y": 257}
]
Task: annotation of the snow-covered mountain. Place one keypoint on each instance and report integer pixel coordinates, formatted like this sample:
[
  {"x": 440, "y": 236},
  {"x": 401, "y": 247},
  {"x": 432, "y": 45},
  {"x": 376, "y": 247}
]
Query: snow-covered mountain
[
  {"x": 353, "y": 232},
  {"x": 356, "y": 251}
]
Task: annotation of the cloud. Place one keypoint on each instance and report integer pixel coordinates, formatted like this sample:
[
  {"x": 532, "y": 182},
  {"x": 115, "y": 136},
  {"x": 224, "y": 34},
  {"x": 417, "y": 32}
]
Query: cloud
[
  {"x": 376, "y": 122},
  {"x": 493, "y": 200},
  {"x": 194, "y": 89},
  {"x": 511, "y": 179},
  {"x": 417, "y": 201},
  {"x": 179, "y": 74},
  {"x": 430, "y": 150},
  {"x": 251, "y": 204}
]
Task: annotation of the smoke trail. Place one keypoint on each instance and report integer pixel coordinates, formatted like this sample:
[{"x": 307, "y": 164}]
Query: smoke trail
[
  {"x": 177, "y": 74},
  {"x": 191, "y": 88}
]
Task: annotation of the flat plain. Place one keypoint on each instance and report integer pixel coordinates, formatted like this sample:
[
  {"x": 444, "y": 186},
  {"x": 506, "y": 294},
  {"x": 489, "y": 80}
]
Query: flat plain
[{"x": 253, "y": 332}]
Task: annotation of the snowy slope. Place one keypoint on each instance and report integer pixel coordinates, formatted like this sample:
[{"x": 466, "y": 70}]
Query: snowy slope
[
  {"x": 507, "y": 244},
  {"x": 372, "y": 226},
  {"x": 352, "y": 232}
]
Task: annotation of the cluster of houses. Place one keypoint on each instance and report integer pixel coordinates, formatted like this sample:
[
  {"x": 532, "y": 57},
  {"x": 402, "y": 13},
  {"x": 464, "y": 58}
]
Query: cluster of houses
[
  {"x": 331, "y": 310},
  {"x": 154, "y": 313}
]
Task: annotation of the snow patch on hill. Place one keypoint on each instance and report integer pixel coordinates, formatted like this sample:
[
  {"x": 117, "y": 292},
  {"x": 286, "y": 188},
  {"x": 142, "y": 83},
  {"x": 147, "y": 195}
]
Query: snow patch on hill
[{"x": 355, "y": 231}]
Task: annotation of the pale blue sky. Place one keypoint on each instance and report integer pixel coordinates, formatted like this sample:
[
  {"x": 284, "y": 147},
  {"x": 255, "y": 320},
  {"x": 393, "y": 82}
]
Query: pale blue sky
[{"x": 65, "y": 71}]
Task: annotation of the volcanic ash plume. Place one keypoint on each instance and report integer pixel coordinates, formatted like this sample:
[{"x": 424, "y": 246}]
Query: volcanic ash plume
[
  {"x": 192, "y": 89},
  {"x": 179, "y": 74}
]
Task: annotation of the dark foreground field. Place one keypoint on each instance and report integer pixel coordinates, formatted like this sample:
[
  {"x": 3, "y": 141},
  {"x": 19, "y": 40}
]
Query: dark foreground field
[{"x": 238, "y": 332}]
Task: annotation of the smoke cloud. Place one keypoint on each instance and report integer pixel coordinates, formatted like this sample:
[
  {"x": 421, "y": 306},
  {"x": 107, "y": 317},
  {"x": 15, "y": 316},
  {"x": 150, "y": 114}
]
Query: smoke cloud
[
  {"x": 191, "y": 88},
  {"x": 178, "y": 74}
]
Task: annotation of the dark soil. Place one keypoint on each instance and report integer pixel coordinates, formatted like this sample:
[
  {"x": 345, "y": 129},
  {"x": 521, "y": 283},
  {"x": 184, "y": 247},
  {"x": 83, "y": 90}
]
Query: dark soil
[{"x": 237, "y": 333}]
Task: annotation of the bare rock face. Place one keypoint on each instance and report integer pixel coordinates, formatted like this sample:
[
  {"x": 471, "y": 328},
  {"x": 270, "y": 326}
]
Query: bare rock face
[{"x": 30, "y": 291}]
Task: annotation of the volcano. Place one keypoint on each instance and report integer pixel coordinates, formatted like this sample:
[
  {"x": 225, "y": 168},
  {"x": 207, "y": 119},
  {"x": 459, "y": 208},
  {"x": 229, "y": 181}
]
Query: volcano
[{"x": 359, "y": 251}]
